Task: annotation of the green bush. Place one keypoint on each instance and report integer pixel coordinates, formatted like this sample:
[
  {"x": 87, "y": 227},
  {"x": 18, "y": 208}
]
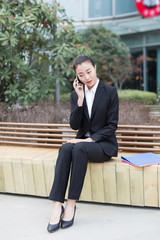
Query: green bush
[
  {"x": 38, "y": 43},
  {"x": 138, "y": 96}
]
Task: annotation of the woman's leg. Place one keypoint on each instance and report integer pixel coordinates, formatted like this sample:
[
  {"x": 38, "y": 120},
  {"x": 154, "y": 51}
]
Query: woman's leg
[
  {"x": 59, "y": 186},
  {"x": 62, "y": 171},
  {"x": 81, "y": 154}
]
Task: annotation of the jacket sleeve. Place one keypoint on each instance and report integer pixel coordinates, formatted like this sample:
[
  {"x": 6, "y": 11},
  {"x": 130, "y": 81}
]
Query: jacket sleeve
[
  {"x": 109, "y": 129},
  {"x": 76, "y": 112}
]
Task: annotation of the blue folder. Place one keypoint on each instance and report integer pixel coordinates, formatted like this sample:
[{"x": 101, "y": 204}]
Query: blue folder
[{"x": 142, "y": 159}]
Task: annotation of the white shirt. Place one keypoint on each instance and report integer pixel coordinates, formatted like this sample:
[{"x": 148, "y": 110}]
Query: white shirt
[{"x": 90, "y": 94}]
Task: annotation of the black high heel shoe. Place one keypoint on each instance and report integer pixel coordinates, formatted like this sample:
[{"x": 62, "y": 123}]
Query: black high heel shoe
[
  {"x": 66, "y": 224},
  {"x": 53, "y": 227}
]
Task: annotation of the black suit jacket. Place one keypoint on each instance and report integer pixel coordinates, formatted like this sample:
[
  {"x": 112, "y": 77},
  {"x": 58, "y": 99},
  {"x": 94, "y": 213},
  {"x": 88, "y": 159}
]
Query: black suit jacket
[{"x": 104, "y": 118}]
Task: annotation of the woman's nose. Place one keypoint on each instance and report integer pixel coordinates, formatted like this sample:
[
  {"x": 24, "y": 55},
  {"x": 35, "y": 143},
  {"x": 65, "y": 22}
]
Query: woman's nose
[{"x": 86, "y": 76}]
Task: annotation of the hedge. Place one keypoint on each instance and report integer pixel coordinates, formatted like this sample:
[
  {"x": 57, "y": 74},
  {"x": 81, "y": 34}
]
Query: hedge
[{"x": 148, "y": 98}]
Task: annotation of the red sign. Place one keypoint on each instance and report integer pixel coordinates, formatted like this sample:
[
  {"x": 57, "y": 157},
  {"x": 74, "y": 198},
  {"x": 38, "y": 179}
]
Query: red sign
[{"x": 148, "y": 8}]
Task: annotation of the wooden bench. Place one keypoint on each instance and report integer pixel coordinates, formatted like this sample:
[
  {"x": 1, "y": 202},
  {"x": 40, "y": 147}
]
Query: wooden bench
[{"x": 28, "y": 153}]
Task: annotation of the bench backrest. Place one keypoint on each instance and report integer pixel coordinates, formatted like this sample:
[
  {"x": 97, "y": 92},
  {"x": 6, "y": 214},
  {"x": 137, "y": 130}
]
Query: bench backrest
[
  {"x": 138, "y": 138},
  {"x": 135, "y": 138}
]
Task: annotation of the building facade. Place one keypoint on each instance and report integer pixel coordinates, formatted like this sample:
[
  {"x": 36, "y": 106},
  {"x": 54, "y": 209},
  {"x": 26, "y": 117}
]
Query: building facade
[{"x": 141, "y": 35}]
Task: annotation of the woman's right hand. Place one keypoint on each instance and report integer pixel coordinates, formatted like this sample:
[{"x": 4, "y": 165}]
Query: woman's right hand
[{"x": 80, "y": 91}]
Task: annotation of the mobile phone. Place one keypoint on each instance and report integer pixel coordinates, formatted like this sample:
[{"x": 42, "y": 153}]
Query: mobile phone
[{"x": 79, "y": 82}]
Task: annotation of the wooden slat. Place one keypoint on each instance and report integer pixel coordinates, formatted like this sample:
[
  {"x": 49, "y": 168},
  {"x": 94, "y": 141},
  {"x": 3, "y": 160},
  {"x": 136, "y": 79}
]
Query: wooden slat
[
  {"x": 152, "y": 138},
  {"x": 137, "y": 186},
  {"x": 138, "y": 149},
  {"x": 110, "y": 183},
  {"x": 30, "y": 144},
  {"x": 137, "y": 132},
  {"x": 139, "y": 143},
  {"x": 97, "y": 186},
  {"x": 67, "y": 125},
  {"x": 38, "y": 134},
  {"x": 34, "y": 124},
  {"x": 123, "y": 183},
  {"x": 138, "y": 127},
  {"x": 38, "y": 129},
  {"x": 33, "y": 139},
  {"x": 86, "y": 194},
  {"x": 151, "y": 186}
]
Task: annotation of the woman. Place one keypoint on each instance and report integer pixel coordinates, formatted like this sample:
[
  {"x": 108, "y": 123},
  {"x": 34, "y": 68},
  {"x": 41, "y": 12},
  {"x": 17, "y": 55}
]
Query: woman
[{"x": 94, "y": 113}]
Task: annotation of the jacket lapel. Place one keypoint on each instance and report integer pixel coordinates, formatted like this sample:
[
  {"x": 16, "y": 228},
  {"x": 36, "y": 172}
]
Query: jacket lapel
[
  {"x": 86, "y": 109},
  {"x": 98, "y": 95}
]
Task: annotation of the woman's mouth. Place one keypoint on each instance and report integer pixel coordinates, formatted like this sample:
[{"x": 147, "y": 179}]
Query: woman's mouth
[{"x": 89, "y": 82}]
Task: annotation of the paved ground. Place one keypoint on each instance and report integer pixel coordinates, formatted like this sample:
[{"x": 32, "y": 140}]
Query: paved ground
[{"x": 27, "y": 218}]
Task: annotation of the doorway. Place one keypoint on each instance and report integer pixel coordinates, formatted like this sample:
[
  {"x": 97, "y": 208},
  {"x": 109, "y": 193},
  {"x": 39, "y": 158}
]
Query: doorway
[{"x": 152, "y": 70}]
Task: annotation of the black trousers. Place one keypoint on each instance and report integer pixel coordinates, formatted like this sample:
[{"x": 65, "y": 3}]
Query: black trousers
[{"x": 74, "y": 158}]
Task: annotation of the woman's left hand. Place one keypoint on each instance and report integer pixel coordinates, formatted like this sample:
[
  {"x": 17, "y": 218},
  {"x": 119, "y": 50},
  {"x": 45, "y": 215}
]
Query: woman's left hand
[{"x": 77, "y": 140}]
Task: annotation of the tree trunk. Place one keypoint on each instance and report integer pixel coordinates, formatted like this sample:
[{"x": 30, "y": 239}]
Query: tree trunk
[{"x": 57, "y": 92}]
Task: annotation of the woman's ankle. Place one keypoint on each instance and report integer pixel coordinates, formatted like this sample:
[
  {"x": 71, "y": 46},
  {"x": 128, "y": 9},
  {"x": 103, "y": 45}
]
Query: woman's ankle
[
  {"x": 71, "y": 202},
  {"x": 57, "y": 204}
]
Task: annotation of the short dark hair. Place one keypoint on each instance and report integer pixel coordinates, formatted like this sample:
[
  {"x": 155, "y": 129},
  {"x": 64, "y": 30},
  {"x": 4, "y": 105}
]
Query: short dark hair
[{"x": 80, "y": 59}]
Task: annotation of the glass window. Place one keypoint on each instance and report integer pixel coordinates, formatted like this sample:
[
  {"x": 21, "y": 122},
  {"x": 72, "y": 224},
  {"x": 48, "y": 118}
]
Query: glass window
[
  {"x": 125, "y": 6},
  {"x": 132, "y": 41},
  {"x": 137, "y": 65},
  {"x": 73, "y": 8},
  {"x": 100, "y": 8},
  {"x": 152, "y": 38},
  {"x": 85, "y": 7}
]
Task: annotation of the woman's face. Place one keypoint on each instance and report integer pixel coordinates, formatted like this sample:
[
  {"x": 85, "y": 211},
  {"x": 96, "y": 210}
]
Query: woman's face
[{"x": 86, "y": 72}]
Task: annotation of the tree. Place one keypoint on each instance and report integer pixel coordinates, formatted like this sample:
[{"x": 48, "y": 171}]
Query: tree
[
  {"x": 37, "y": 41},
  {"x": 110, "y": 53}
]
